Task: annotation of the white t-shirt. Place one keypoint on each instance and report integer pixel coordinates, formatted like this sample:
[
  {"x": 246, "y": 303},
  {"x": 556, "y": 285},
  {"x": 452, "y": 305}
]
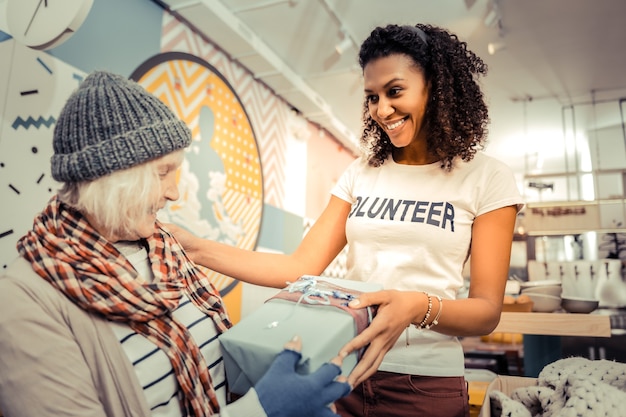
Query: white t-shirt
[{"x": 410, "y": 229}]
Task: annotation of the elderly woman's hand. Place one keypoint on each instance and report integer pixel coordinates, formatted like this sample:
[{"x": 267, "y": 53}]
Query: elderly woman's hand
[{"x": 284, "y": 393}]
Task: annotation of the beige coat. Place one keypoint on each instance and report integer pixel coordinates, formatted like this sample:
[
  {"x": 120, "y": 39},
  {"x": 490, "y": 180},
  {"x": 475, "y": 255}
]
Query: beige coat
[{"x": 58, "y": 360}]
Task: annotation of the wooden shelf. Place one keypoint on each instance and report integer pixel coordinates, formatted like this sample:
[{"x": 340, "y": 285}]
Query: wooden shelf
[{"x": 555, "y": 324}]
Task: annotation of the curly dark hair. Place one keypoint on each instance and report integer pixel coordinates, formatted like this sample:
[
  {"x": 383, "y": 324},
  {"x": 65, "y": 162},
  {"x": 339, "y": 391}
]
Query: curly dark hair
[{"x": 456, "y": 115}]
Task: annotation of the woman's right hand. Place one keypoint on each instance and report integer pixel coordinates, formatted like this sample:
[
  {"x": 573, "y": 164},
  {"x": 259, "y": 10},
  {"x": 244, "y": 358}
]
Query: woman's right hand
[
  {"x": 395, "y": 311},
  {"x": 189, "y": 241}
]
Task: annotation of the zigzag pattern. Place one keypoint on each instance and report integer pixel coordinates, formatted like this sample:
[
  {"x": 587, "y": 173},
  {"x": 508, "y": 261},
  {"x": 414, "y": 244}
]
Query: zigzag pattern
[
  {"x": 269, "y": 123},
  {"x": 182, "y": 85},
  {"x": 242, "y": 208},
  {"x": 30, "y": 122},
  {"x": 270, "y": 117},
  {"x": 267, "y": 112}
]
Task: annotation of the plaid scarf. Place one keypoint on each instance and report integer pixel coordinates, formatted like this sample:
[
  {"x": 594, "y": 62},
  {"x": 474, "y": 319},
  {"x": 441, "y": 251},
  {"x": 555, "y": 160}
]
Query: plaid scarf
[{"x": 66, "y": 250}]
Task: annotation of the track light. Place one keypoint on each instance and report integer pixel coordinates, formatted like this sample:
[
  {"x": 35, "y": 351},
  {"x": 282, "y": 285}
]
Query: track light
[
  {"x": 343, "y": 45},
  {"x": 493, "y": 16}
]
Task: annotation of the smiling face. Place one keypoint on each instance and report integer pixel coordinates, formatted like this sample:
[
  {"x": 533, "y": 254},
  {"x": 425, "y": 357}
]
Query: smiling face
[
  {"x": 397, "y": 93},
  {"x": 135, "y": 194},
  {"x": 167, "y": 169}
]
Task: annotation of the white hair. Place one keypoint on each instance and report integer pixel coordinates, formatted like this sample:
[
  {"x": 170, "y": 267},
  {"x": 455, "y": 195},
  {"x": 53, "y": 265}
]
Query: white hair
[{"x": 118, "y": 201}]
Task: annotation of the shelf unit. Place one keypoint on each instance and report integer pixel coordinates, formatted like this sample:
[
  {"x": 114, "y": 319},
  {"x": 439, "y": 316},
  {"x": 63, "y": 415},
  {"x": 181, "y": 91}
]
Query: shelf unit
[{"x": 555, "y": 324}]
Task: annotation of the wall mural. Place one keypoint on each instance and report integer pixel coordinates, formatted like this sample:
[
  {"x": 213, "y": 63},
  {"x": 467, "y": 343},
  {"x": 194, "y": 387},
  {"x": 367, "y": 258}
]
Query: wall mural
[
  {"x": 221, "y": 180},
  {"x": 34, "y": 86},
  {"x": 267, "y": 112},
  {"x": 220, "y": 183}
]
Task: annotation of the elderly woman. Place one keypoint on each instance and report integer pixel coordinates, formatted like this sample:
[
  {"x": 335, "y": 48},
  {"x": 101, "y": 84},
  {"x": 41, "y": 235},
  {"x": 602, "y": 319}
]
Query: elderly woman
[{"x": 103, "y": 313}]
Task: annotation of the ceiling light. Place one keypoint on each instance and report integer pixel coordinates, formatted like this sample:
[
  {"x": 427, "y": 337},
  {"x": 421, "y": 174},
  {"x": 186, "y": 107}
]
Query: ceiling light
[
  {"x": 494, "y": 47},
  {"x": 491, "y": 18}
]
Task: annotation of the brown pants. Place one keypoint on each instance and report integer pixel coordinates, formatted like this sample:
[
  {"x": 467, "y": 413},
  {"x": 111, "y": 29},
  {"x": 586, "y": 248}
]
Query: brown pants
[{"x": 387, "y": 394}]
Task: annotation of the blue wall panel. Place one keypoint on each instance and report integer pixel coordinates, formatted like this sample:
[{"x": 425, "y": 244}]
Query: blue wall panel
[
  {"x": 117, "y": 35},
  {"x": 280, "y": 230}
]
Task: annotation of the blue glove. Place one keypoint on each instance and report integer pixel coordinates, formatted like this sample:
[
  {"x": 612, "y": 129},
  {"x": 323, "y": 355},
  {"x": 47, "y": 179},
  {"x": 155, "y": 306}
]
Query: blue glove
[{"x": 285, "y": 393}]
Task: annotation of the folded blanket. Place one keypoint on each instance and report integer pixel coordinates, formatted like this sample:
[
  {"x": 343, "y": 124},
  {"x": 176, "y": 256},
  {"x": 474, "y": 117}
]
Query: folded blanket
[{"x": 572, "y": 387}]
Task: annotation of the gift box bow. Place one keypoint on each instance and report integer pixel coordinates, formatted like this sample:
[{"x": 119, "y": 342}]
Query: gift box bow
[{"x": 311, "y": 290}]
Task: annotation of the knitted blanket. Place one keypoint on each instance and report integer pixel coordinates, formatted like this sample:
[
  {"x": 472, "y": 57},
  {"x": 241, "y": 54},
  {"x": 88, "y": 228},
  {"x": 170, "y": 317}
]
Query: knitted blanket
[{"x": 572, "y": 387}]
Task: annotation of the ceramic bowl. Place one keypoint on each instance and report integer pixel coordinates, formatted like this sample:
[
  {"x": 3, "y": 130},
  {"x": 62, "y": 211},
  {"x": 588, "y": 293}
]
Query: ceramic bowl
[
  {"x": 554, "y": 290},
  {"x": 578, "y": 304},
  {"x": 544, "y": 303},
  {"x": 540, "y": 283}
]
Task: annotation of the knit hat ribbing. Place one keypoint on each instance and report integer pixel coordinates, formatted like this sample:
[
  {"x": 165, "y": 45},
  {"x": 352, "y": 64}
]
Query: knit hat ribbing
[{"x": 111, "y": 123}]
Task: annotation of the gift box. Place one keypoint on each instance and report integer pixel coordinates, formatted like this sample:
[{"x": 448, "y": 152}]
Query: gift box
[{"x": 314, "y": 308}]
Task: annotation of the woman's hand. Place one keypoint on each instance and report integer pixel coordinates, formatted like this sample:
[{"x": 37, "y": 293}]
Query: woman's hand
[
  {"x": 396, "y": 311},
  {"x": 189, "y": 241}
]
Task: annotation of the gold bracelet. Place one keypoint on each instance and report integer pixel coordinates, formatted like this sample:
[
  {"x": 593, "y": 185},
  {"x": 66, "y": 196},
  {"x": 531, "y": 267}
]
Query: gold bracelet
[
  {"x": 428, "y": 311},
  {"x": 436, "y": 319}
]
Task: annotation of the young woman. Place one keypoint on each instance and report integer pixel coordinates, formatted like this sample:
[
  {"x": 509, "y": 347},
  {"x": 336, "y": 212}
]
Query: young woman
[
  {"x": 421, "y": 200},
  {"x": 103, "y": 314}
]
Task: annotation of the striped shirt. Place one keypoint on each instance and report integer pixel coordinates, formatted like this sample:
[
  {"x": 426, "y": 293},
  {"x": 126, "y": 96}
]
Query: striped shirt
[{"x": 152, "y": 366}]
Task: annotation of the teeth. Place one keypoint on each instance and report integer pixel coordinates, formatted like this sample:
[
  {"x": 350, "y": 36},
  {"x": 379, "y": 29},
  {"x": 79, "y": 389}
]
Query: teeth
[{"x": 396, "y": 124}]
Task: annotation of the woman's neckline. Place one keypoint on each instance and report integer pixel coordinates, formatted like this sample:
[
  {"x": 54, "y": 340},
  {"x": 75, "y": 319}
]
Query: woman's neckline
[{"x": 428, "y": 165}]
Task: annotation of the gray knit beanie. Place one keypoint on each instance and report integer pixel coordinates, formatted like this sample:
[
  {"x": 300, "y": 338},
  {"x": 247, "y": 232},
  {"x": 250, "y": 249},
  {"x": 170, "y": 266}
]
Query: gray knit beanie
[{"x": 111, "y": 123}]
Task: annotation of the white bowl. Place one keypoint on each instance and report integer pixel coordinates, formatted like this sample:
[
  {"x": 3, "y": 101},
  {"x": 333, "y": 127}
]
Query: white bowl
[
  {"x": 544, "y": 303},
  {"x": 540, "y": 283},
  {"x": 554, "y": 290},
  {"x": 579, "y": 304}
]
